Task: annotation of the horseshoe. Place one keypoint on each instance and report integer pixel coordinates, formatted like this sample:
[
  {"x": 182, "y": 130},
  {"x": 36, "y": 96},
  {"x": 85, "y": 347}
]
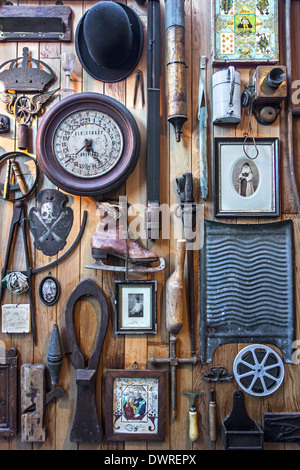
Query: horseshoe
[{"x": 86, "y": 425}]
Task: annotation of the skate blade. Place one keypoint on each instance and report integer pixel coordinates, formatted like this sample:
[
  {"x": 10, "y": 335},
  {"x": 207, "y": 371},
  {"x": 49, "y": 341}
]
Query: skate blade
[{"x": 101, "y": 266}]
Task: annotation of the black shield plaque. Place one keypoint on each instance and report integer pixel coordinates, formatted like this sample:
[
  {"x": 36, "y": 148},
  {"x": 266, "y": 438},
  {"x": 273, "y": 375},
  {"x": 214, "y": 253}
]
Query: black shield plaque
[{"x": 51, "y": 222}]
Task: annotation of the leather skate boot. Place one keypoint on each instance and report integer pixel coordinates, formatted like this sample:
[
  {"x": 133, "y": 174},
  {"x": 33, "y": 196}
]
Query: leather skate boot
[{"x": 112, "y": 238}]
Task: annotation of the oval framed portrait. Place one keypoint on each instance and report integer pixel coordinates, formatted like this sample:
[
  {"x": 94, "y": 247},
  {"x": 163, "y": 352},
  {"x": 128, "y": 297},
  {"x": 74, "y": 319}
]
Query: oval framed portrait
[
  {"x": 49, "y": 290},
  {"x": 245, "y": 177}
]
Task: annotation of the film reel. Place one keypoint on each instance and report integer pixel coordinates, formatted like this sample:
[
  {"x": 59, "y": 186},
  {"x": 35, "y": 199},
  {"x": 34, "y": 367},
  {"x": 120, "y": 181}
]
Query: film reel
[{"x": 258, "y": 370}]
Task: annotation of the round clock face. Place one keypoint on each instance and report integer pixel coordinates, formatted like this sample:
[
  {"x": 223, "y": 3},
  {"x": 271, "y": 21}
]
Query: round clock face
[{"x": 88, "y": 143}]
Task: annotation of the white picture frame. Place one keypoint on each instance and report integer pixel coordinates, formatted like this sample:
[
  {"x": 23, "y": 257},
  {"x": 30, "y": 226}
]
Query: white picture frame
[
  {"x": 245, "y": 184},
  {"x": 135, "y": 303}
]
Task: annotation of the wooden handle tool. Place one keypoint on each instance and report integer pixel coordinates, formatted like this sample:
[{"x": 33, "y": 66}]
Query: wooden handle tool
[
  {"x": 212, "y": 417},
  {"x": 18, "y": 177},
  {"x": 193, "y": 423},
  {"x": 7, "y": 178}
]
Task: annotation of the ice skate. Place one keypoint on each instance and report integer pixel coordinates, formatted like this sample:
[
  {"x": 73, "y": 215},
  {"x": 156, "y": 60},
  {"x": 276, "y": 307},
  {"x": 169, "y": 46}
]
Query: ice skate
[{"x": 112, "y": 240}]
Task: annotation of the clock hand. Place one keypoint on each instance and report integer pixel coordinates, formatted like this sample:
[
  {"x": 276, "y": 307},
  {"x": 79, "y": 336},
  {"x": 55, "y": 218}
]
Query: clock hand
[
  {"x": 87, "y": 146},
  {"x": 89, "y": 143},
  {"x": 95, "y": 155}
]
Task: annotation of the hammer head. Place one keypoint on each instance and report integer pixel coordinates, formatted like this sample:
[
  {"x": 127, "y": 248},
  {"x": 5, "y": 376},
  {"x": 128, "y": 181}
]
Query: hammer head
[{"x": 191, "y": 396}]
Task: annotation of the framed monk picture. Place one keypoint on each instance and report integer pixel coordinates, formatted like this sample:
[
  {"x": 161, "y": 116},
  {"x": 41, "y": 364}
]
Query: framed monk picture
[
  {"x": 246, "y": 186},
  {"x": 245, "y": 31}
]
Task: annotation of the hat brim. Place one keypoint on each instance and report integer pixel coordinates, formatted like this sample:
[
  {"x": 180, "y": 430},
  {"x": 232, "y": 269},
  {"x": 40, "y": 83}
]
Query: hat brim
[{"x": 106, "y": 74}]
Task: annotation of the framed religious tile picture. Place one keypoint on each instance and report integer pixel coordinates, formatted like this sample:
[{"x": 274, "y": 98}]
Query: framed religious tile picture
[
  {"x": 135, "y": 311},
  {"x": 246, "y": 177},
  {"x": 245, "y": 31},
  {"x": 135, "y": 407}
]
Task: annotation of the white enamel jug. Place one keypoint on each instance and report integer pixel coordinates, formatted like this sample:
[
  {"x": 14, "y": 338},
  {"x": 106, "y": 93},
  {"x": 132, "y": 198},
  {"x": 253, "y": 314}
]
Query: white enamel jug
[{"x": 226, "y": 91}]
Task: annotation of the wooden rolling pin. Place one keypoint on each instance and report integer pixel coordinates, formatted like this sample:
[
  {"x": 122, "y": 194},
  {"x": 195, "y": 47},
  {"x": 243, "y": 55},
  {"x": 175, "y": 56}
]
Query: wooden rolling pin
[{"x": 175, "y": 290}]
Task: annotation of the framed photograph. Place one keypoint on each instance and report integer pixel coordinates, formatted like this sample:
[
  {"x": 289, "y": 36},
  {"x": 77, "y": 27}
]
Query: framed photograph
[
  {"x": 246, "y": 186},
  {"x": 245, "y": 31},
  {"x": 49, "y": 290},
  {"x": 135, "y": 311},
  {"x": 135, "y": 405}
]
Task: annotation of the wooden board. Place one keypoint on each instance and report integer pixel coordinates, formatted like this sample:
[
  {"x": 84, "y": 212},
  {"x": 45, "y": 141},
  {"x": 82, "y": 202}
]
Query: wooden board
[{"x": 120, "y": 351}]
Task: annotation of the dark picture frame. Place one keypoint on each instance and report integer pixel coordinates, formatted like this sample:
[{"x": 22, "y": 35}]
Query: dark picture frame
[
  {"x": 246, "y": 186},
  {"x": 135, "y": 405},
  {"x": 135, "y": 307},
  {"x": 49, "y": 290}
]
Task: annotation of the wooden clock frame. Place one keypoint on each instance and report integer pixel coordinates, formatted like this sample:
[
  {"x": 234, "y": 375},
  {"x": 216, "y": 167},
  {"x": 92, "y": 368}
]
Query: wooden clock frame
[{"x": 95, "y": 185}]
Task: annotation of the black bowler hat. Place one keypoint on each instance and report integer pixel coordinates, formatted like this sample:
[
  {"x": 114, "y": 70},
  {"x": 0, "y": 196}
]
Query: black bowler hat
[{"x": 109, "y": 41}]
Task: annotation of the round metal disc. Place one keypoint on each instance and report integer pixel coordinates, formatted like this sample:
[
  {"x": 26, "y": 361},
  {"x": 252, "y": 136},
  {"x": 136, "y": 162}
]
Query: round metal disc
[{"x": 258, "y": 370}]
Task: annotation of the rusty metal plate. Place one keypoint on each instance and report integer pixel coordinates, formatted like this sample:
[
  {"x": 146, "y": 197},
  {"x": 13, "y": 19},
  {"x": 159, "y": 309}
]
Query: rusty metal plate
[
  {"x": 35, "y": 23},
  {"x": 247, "y": 286}
]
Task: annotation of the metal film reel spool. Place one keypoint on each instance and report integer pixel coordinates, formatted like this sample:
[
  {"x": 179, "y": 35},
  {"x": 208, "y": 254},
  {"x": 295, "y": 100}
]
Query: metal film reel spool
[{"x": 258, "y": 370}]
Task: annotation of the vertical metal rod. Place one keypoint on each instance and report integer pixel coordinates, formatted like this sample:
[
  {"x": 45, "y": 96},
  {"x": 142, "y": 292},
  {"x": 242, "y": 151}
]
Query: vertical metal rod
[
  {"x": 202, "y": 117},
  {"x": 290, "y": 144},
  {"x": 153, "y": 120}
]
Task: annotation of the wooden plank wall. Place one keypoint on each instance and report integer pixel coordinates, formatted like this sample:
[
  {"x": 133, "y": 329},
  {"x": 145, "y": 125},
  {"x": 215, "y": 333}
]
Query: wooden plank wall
[{"x": 176, "y": 158}]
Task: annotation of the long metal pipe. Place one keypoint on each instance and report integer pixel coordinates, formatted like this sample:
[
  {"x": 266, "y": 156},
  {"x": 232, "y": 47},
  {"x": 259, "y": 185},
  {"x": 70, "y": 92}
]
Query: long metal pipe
[
  {"x": 176, "y": 66},
  {"x": 290, "y": 143},
  {"x": 153, "y": 120}
]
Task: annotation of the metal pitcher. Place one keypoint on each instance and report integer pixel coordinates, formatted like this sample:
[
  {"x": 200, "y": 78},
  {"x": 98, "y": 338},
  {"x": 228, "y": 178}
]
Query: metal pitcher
[{"x": 226, "y": 86}]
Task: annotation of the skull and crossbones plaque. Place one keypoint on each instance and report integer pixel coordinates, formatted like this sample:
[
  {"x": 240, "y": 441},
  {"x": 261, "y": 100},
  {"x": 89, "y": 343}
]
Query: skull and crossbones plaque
[{"x": 51, "y": 222}]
